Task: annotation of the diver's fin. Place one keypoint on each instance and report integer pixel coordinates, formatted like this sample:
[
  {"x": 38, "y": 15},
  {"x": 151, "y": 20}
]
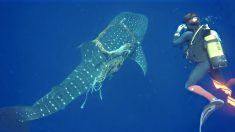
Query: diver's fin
[
  {"x": 10, "y": 120},
  {"x": 139, "y": 57},
  {"x": 208, "y": 110}
]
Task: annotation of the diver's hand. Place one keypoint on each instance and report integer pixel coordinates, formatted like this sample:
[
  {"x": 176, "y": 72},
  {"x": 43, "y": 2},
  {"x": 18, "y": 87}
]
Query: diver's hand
[
  {"x": 177, "y": 34},
  {"x": 180, "y": 28}
]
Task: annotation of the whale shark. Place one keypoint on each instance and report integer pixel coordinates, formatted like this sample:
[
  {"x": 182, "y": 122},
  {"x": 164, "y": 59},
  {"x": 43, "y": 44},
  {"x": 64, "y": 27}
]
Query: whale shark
[{"x": 101, "y": 58}]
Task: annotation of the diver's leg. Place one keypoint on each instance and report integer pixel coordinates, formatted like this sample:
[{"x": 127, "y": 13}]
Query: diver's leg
[
  {"x": 220, "y": 83},
  {"x": 215, "y": 103},
  {"x": 196, "y": 75},
  {"x": 217, "y": 76},
  {"x": 230, "y": 82}
]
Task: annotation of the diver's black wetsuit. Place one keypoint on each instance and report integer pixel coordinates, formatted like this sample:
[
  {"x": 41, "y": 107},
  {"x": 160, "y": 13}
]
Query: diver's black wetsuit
[{"x": 198, "y": 55}]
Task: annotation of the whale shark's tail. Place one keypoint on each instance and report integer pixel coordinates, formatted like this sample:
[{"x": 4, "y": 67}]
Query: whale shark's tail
[{"x": 12, "y": 119}]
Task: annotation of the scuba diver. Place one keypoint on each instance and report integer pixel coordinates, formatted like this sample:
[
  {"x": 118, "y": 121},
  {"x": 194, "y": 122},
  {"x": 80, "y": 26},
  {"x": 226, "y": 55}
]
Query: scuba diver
[{"x": 201, "y": 46}]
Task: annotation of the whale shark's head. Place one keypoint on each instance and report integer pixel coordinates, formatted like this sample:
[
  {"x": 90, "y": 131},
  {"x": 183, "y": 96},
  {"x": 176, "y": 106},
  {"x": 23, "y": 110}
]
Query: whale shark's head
[
  {"x": 125, "y": 32},
  {"x": 136, "y": 24},
  {"x": 126, "y": 27}
]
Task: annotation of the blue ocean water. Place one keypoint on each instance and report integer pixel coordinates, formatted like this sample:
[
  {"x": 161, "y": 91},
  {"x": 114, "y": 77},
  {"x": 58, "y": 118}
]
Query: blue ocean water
[{"x": 38, "y": 49}]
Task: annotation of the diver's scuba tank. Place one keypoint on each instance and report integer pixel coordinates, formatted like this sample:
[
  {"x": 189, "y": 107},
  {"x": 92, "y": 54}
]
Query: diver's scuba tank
[{"x": 214, "y": 49}]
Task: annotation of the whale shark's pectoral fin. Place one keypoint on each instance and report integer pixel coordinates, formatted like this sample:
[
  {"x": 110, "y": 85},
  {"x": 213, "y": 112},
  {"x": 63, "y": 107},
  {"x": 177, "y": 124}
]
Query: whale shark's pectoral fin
[{"x": 139, "y": 57}]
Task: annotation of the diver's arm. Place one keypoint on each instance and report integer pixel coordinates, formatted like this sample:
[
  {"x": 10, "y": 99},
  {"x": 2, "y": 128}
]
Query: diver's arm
[
  {"x": 178, "y": 36},
  {"x": 181, "y": 39}
]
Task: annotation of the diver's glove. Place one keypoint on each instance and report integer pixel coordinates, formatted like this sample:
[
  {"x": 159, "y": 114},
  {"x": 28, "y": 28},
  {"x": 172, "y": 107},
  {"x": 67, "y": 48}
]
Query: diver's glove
[{"x": 181, "y": 27}]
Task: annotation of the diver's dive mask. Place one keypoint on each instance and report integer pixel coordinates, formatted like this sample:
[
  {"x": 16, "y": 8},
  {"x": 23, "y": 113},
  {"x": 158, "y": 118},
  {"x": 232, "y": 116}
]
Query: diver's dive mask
[{"x": 193, "y": 21}]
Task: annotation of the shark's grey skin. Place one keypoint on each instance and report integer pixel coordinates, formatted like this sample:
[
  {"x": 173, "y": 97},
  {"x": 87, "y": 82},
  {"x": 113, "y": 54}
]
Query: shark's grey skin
[{"x": 101, "y": 57}]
